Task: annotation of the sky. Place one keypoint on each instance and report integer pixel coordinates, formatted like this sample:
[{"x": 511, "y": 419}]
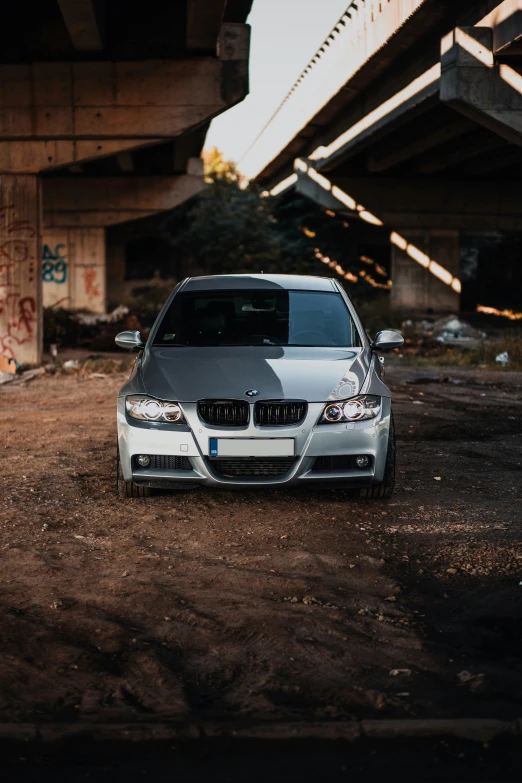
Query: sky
[{"x": 285, "y": 36}]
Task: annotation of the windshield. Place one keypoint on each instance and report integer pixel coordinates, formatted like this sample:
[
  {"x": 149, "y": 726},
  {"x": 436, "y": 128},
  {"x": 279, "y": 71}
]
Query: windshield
[{"x": 307, "y": 318}]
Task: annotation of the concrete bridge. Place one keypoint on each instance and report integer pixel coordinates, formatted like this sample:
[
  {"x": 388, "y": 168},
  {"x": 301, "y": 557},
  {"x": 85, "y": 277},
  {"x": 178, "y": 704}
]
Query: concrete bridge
[
  {"x": 416, "y": 126},
  {"x": 104, "y": 107}
]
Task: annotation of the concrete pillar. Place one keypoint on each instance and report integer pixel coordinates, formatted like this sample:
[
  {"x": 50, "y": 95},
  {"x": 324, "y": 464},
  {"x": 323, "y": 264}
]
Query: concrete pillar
[
  {"x": 73, "y": 268},
  {"x": 414, "y": 286},
  {"x": 20, "y": 268}
]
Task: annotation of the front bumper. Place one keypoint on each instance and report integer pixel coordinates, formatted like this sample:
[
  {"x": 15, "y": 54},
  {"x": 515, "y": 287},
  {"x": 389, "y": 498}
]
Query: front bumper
[{"x": 327, "y": 440}]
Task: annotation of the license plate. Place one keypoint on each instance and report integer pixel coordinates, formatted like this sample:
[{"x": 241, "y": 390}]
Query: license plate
[{"x": 251, "y": 447}]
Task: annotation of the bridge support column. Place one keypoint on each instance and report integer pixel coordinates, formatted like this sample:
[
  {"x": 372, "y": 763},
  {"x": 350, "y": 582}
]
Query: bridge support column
[
  {"x": 73, "y": 268},
  {"x": 414, "y": 286},
  {"x": 20, "y": 268}
]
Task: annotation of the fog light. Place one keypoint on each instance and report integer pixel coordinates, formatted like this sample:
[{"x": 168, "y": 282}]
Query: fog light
[
  {"x": 143, "y": 460},
  {"x": 362, "y": 461}
]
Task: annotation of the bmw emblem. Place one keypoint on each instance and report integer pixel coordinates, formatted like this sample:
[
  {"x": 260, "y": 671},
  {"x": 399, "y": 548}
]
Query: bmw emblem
[{"x": 252, "y": 393}]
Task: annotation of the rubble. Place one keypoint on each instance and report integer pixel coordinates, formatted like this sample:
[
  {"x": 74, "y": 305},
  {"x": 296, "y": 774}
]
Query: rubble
[
  {"x": 454, "y": 332},
  {"x": 91, "y": 319}
]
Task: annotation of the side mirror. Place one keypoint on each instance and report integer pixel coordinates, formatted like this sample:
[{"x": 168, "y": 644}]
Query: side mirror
[
  {"x": 131, "y": 341},
  {"x": 387, "y": 340}
]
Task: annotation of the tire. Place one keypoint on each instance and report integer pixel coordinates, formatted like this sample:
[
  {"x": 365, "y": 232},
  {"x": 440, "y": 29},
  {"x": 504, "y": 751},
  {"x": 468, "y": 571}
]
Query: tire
[
  {"x": 128, "y": 489},
  {"x": 384, "y": 489}
]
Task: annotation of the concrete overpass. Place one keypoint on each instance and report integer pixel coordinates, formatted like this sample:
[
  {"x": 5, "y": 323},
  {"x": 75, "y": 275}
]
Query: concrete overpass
[
  {"x": 417, "y": 126},
  {"x": 104, "y": 107}
]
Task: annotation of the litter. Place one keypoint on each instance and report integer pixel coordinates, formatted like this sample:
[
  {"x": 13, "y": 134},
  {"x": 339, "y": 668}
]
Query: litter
[
  {"x": 454, "y": 332},
  {"x": 502, "y": 358}
]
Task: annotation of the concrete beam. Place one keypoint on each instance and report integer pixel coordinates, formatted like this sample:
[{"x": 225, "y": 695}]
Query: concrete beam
[
  {"x": 311, "y": 189},
  {"x": 203, "y": 23},
  {"x": 465, "y": 150},
  {"x": 418, "y": 146},
  {"x": 117, "y": 100},
  {"x": 31, "y": 157},
  {"x": 419, "y": 95},
  {"x": 506, "y": 23},
  {"x": 105, "y": 201},
  {"x": 438, "y": 204},
  {"x": 80, "y": 20},
  {"x": 473, "y": 83}
]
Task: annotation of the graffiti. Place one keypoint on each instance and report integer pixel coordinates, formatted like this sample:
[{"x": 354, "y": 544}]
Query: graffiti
[
  {"x": 21, "y": 322},
  {"x": 21, "y": 225},
  {"x": 18, "y": 318},
  {"x": 54, "y": 264},
  {"x": 92, "y": 289},
  {"x": 15, "y": 251}
]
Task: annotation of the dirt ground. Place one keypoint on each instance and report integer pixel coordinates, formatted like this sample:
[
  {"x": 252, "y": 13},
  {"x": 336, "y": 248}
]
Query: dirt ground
[{"x": 264, "y": 604}]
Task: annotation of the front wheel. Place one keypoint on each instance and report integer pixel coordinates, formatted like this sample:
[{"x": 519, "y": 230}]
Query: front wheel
[
  {"x": 384, "y": 489},
  {"x": 128, "y": 489}
]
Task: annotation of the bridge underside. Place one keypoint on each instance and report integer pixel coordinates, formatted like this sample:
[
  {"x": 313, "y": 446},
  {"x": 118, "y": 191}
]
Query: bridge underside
[
  {"x": 103, "y": 113},
  {"x": 434, "y": 148}
]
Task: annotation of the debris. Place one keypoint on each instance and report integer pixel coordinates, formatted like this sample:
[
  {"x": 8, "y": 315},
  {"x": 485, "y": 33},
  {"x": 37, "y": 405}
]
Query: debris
[
  {"x": 8, "y": 365},
  {"x": 90, "y": 319},
  {"x": 391, "y": 598},
  {"x": 71, "y": 364},
  {"x": 436, "y": 478},
  {"x": 454, "y": 332},
  {"x": 474, "y": 681},
  {"x": 502, "y": 358},
  {"x": 400, "y": 672},
  {"x": 21, "y": 377}
]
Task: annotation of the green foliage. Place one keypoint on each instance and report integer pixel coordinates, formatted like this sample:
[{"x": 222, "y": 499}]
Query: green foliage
[
  {"x": 217, "y": 169},
  {"x": 230, "y": 229}
]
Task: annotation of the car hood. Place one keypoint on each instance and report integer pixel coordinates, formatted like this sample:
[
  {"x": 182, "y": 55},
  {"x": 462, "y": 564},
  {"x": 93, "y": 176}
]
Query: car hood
[{"x": 187, "y": 374}]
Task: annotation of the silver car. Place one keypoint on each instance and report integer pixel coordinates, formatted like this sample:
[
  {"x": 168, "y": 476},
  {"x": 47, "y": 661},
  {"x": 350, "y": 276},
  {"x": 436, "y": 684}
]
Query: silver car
[{"x": 256, "y": 380}]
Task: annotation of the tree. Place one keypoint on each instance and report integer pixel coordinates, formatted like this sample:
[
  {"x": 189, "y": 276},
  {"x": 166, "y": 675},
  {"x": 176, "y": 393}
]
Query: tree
[
  {"x": 230, "y": 228},
  {"x": 227, "y": 228}
]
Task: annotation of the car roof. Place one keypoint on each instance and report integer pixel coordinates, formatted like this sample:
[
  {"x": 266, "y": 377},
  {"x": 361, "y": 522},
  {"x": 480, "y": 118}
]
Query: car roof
[{"x": 261, "y": 281}]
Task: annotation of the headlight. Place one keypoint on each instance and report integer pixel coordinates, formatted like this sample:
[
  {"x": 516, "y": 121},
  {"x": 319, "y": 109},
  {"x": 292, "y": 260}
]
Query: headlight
[
  {"x": 138, "y": 406},
  {"x": 367, "y": 406}
]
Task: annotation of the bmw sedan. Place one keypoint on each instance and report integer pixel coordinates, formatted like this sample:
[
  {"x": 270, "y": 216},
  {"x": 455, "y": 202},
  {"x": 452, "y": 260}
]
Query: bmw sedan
[{"x": 256, "y": 380}]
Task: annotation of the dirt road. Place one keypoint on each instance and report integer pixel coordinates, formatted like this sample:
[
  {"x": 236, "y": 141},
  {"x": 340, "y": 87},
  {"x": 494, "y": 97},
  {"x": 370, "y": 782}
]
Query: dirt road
[{"x": 262, "y": 604}]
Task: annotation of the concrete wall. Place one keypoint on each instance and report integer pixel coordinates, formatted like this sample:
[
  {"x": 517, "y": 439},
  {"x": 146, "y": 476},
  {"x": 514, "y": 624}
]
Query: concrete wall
[
  {"x": 73, "y": 268},
  {"x": 414, "y": 287}
]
